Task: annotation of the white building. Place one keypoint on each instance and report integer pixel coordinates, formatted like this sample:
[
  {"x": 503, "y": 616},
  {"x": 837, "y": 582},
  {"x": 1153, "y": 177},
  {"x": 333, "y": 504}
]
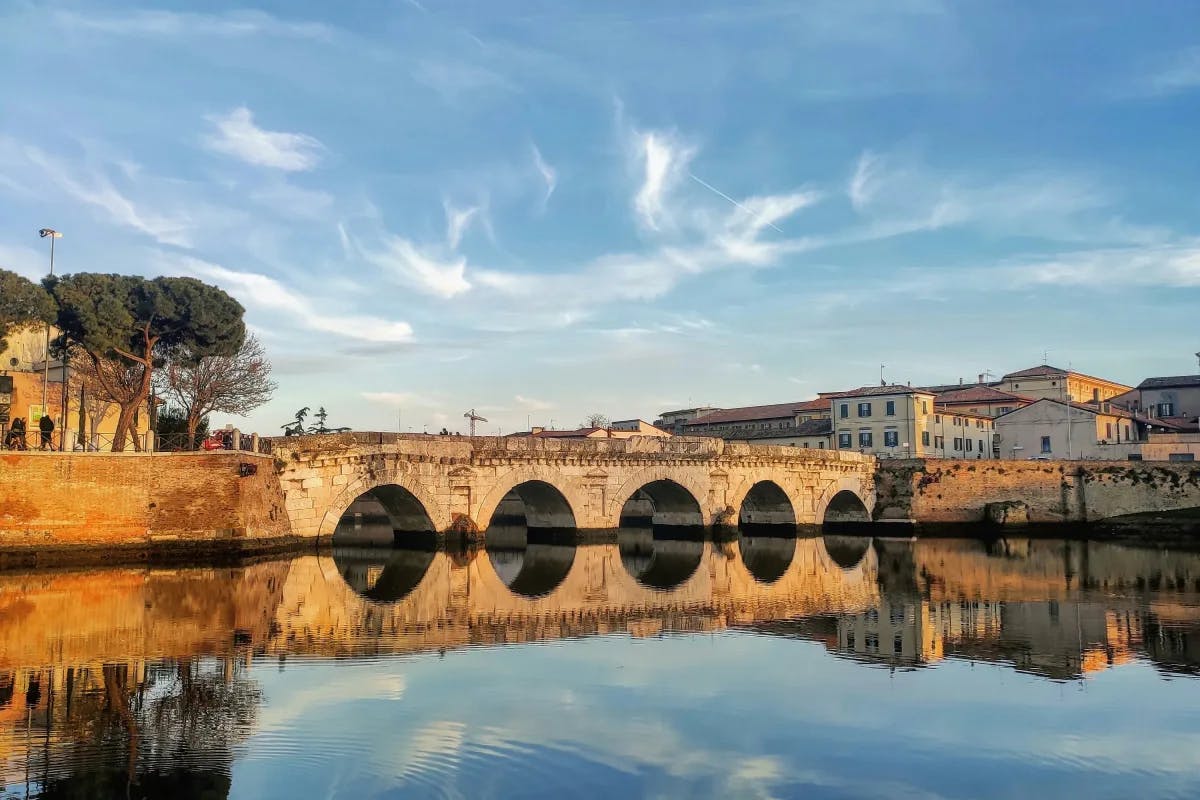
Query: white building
[{"x": 1057, "y": 430}]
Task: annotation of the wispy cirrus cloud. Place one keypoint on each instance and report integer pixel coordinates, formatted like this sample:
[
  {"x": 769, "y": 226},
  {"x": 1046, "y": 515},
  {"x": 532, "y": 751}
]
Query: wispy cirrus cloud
[
  {"x": 93, "y": 187},
  {"x": 268, "y": 294},
  {"x": 458, "y": 220},
  {"x": 236, "y": 135},
  {"x": 157, "y": 23},
  {"x": 548, "y": 173},
  {"x": 1170, "y": 266},
  {"x": 1179, "y": 72},
  {"x": 402, "y": 260},
  {"x": 664, "y": 161}
]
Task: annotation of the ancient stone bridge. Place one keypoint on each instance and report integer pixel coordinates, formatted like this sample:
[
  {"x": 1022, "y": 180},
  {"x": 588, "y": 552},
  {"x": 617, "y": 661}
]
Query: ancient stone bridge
[{"x": 442, "y": 484}]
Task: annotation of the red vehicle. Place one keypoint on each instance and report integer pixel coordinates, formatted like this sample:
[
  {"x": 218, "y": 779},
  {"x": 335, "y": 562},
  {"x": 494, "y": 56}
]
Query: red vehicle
[{"x": 216, "y": 441}]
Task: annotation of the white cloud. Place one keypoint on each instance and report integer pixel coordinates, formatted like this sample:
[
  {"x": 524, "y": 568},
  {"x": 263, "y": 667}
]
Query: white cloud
[
  {"x": 93, "y": 187},
  {"x": 862, "y": 186},
  {"x": 532, "y": 404},
  {"x": 147, "y": 22},
  {"x": 268, "y": 294},
  {"x": 664, "y": 161},
  {"x": 398, "y": 399},
  {"x": 1181, "y": 74},
  {"x": 458, "y": 220},
  {"x": 453, "y": 79},
  {"x": 401, "y": 259},
  {"x": 1116, "y": 269},
  {"x": 239, "y": 137},
  {"x": 548, "y": 173}
]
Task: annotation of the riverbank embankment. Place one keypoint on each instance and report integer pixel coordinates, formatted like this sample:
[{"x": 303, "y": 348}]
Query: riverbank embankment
[{"x": 86, "y": 507}]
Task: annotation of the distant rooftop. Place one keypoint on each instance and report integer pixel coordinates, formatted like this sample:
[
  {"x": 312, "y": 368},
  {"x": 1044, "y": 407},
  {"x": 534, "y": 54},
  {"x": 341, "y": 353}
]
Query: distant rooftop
[
  {"x": 812, "y": 427},
  {"x": 750, "y": 413},
  {"x": 979, "y": 394},
  {"x": 873, "y": 391},
  {"x": 1048, "y": 371},
  {"x": 1170, "y": 382}
]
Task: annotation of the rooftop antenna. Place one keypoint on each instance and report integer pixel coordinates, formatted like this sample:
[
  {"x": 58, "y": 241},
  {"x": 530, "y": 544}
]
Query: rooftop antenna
[
  {"x": 1045, "y": 357},
  {"x": 471, "y": 415}
]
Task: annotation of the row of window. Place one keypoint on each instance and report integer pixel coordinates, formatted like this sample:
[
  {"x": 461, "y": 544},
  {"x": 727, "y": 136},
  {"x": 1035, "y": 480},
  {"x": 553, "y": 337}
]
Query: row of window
[
  {"x": 892, "y": 439},
  {"x": 864, "y": 409}
]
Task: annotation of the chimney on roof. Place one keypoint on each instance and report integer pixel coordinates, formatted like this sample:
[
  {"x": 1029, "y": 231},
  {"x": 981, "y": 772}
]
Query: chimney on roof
[
  {"x": 980, "y": 381},
  {"x": 960, "y": 381},
  {"x": 536, "y": 430}
]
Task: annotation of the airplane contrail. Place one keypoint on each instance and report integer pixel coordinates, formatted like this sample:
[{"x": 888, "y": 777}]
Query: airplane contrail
[{"x": 719, "y": 193}]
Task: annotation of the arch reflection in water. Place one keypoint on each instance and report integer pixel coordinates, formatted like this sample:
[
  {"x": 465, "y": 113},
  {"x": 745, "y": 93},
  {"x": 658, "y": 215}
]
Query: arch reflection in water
[
  {"x": 846, "y": 551},
  {"x": 381, "y": 574},
  {"x": 658, "y": 561},
  {"x": 531, "y": 539},
  {"x": 767, "y": 558},
  {"x": 534, "y": 571}
]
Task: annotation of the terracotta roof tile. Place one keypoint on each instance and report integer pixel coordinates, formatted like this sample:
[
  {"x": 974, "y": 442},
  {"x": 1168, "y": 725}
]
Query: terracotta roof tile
[
  {"x": 749, "y": 413},
  {"x": 979, "y": 394},
  {"x": 873, "y": 391}
]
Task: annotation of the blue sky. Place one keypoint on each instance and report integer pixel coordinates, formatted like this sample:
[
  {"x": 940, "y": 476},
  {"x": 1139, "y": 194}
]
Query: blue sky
[{"x": 543, "y": 209}]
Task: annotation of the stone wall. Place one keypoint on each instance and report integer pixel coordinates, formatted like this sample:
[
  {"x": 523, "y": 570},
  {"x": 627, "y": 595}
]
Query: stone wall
[
  {"x": 948, "y": 491},
  {"x": 81, "y": 502}
]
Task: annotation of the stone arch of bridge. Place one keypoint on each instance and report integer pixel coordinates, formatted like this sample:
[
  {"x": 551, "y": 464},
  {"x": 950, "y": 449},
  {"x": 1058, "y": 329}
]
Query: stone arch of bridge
[
  {"x": 676, "y": 496},
  {"x": 380, "y": 486},
  {"x": 551, "y": 499},
  {"x": 765, "y": 502},
  {"x": 851, "y": 485}
]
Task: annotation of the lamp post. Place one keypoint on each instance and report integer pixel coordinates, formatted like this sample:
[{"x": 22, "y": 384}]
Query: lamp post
[{"x": 51, "y": 234}]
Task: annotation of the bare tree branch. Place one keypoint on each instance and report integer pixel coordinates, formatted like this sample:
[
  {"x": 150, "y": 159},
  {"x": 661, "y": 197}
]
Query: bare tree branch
[{"x": 235, "y": 384}]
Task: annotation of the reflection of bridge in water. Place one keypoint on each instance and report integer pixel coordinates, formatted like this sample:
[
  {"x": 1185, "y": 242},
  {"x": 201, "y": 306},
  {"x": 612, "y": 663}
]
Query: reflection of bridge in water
[{"x": 358, "y": 600}]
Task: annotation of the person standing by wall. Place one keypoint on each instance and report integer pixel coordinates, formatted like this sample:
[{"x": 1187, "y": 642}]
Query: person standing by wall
[
  {"x": 46, "y": 426},
  {"x": 16, "y": 435}
]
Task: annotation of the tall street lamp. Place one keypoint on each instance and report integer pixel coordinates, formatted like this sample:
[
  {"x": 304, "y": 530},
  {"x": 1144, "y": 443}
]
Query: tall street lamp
[{"x": 52, "y": 235}]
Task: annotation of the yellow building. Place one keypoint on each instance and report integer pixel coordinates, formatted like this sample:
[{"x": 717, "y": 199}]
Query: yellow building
[
  {"x": 1054, "y": 383},
  {"x": 895, "y": 421},
  {"x": 24, "y": 361}
]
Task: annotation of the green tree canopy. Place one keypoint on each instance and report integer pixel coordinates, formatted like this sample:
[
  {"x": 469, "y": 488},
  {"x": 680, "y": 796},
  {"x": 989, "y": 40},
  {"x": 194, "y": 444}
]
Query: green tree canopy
[
  {"x": 22, "y": 302},
  {"x": 141, "y": 321}
]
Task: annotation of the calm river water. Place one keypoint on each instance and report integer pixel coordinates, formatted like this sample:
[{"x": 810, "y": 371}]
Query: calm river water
[{"x": 758, "y": 667}]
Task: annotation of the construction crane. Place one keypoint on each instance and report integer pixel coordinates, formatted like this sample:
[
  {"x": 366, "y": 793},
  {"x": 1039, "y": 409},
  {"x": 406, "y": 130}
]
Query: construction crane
[{"x": 471, "y": 415}]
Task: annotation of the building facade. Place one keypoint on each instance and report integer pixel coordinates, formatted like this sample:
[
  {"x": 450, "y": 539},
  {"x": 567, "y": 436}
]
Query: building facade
[
  {"x": 757, "y": 421},
  {"x": 674, "y": 421},
  {"x": 902, "y": 422},
  {"x": 22, "y": 372},
  {"x": 1054, "y": 383},
  {"x": 1174, "y": 398},
  {"x": 1053, "y": 429}
]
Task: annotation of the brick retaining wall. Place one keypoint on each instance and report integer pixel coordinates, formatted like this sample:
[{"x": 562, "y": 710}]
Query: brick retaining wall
[{"x": 98, "y": 501}]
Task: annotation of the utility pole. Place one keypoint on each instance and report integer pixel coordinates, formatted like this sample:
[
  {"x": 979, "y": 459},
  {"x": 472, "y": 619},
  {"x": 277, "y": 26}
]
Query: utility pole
[{"x": 52, "y": 235}]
